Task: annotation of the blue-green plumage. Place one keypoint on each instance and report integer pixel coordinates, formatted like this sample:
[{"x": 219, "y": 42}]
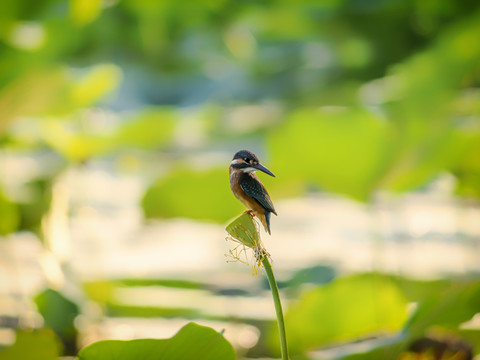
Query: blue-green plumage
[{"x": 256, "y": 190}]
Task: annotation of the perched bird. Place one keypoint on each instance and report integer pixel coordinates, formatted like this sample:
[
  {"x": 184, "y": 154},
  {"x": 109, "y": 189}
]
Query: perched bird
[{"x": 248, "y": 188}]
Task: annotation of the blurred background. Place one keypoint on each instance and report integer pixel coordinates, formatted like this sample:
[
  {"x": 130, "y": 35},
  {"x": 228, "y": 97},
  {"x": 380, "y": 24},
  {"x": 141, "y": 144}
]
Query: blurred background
[{"x": 118, "y": 121}]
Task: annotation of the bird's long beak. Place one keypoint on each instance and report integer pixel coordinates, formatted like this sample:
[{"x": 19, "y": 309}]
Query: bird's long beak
[{"x": 264, "y": 169}]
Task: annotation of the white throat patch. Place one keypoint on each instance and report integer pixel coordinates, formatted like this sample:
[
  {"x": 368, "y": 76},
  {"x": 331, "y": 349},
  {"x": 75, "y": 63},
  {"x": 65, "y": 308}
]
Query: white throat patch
[{"x": 249, "y": 170}]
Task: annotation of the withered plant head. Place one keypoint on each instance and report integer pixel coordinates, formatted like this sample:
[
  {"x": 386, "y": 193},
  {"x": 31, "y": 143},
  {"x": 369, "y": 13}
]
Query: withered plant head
[{"x": 245, "y": 232}]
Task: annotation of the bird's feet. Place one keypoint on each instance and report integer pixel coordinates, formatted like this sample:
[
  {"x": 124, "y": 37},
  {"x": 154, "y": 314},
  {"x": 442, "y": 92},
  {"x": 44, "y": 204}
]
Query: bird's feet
[{"x": 250, "y": 212}]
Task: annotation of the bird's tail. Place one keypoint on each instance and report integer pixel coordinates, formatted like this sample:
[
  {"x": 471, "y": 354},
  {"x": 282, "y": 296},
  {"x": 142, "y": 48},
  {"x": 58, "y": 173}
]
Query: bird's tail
[{"x": 267, "y": 222}]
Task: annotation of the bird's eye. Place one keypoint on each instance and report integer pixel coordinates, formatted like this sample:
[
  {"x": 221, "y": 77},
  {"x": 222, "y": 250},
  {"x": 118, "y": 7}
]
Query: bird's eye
[{"x": 246, "y": 159}]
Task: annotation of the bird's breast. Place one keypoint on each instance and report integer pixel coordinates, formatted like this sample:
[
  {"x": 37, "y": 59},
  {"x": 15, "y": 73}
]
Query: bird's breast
[
  {"x": 235, "y": 184},
  {"x": 238, "y": 191}
]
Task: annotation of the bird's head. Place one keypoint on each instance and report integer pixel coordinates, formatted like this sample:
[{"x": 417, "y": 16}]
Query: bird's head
[{"x": 247, "y": 161}]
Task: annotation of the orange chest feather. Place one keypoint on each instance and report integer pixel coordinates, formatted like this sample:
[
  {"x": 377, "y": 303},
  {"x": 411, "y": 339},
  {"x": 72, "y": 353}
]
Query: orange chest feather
[{"x": 239, "y": 193}]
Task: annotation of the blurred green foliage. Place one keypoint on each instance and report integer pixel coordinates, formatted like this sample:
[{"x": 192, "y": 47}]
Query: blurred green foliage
[
  {"x": 461, "y": 299},
  {"x": 403, "y": 130},
  {"x": 36, "y": 206},
  {"x": 10, "y": 215},
  {"x": 341, "y": 96},
  {"x": 344, "y": 310},
  {"x": 191, "y": 342},
  {"x": 150, "y": 129},
  {"x": 33, "y": 345},
  {"x": 103, "y": 293},
  {"x": 199, "y": 194},
  {"x": 377, "y": 95},
  {"x": 375, "y": 305},
  {"x": 441, "y": 312},
  {"x": 392, "y": 310},
  {"x": 326, "y": 138},
  {"x": 59, "y": 314}
]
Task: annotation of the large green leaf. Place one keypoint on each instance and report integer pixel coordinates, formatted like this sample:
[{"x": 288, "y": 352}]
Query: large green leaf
[
  {"x": 418, "y": 290},
  {"x": 424, "y": 152},
  {"x": 389, "y": 349},
  {"x": 33, "y": 345},
  {"x": 443, "y": 311},
  {"x": 57, "y": 311},
  {"x": 59, "y": 314},
  {"x": 191, "y": 342},
  {"x": 448, "y": 309},
  {"x": 149, "y": 129},
  {"x": 341, "y": 150},
  {"x": 202, "y": 195},
  {"x": 346, "y": 309},
  {"x": 418, "y": 95},
  {"x": 466, "y": 168}
]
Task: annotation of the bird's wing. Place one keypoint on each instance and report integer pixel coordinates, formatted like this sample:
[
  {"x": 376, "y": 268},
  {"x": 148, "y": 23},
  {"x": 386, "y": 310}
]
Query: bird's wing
[{"x": 255, "y": 189}]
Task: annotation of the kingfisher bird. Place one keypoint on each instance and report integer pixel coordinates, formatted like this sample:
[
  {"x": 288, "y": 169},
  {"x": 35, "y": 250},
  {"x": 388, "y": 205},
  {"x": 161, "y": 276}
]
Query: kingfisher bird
[{"x": 248, "y": 188}]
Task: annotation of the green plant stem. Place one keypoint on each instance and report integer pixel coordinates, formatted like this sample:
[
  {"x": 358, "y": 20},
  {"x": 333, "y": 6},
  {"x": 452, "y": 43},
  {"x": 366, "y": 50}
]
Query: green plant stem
[{"x": 278, "y": 307}]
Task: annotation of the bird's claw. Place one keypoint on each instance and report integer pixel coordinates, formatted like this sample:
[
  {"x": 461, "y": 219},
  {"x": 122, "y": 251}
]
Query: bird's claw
[{"x": 250, "y": 212}]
